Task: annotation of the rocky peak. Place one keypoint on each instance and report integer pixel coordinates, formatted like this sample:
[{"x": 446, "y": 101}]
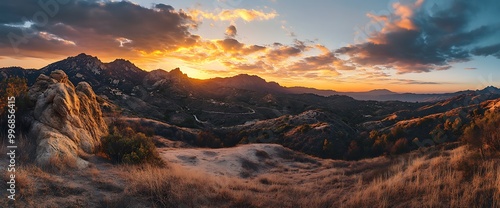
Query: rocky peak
[
  {"x": 82, "y": 63},
  {"x": 82, "y": 55},
  {"x": 249, "y": 82},
  {"x": 490, "y": 89},
  {"x": 67, "y": 120},
  {"x": 250, "y": 78},
  {"x": 84, "y": 59},
  {"x": 123, "y": 64},
  {"x": 177, "y": 73},
  {"x": 60, "y": 76}
]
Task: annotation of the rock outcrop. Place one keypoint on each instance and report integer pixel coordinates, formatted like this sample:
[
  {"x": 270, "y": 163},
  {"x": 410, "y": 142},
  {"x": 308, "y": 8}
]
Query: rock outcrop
[{"x": 67, "y": 120}]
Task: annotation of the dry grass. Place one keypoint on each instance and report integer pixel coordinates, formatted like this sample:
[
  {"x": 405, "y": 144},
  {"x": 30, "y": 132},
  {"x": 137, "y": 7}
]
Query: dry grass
[
  {"x": 58, "y": 164},
  {"x": 172, "y": 187},
  {"x": 416, "y": 180},
  {"x": 436, "y": 178},
  {"x": 25, "y": 177},
  {"x": 436, "y": 182}
]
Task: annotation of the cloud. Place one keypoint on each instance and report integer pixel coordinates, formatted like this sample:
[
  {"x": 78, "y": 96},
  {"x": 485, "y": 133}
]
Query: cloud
[
  {"x": 163, "y": 7},
  {"x": 52, "y": 37},
  {"x": 287, "y": 29},
  {"x": 324, "y": 61},
  {"x": 414, "y": 39},
  {"x": 415, "y": 82},
  {"x": 278, "y": 52},
  {"x": 259, "y": 66},
  {"x": 470, "y": 68},
  {"x": 247, "y": 15},
  {"x": 491, "y": 50},
  {"x": 126, "y": 30},
  {"x": 231, "y": 31},
  {"x": 277, "y": 59},
  {"x": 386, "y": 79},
  {"x": 100, "y": 28}
]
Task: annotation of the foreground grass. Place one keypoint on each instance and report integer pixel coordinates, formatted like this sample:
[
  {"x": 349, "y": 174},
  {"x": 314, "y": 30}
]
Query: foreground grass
[
  {"x": 430, "y": 178},
  {"x": 456, "y": 178}
]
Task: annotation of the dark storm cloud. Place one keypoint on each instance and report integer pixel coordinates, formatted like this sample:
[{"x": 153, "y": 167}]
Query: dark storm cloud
[
  {"x": 426, "y": 40},
  {"x": 92, "y": 25},
  {"x": 492, "y": 50}
]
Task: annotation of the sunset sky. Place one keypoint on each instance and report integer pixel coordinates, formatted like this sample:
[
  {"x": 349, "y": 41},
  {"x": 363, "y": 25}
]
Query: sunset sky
[{"x": 355, "y": 45}]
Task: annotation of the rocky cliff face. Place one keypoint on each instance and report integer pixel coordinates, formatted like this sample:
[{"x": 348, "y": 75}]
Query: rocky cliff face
[{"x": 67, "y": 120}]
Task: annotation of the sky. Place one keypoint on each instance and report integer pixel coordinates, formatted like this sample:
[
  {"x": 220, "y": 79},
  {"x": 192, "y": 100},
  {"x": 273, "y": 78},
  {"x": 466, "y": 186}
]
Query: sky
[{"x": 422, "y": 46}]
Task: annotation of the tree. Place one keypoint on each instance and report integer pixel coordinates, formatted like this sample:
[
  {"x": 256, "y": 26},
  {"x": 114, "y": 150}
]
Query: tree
[{"x": 13, "y": 87}]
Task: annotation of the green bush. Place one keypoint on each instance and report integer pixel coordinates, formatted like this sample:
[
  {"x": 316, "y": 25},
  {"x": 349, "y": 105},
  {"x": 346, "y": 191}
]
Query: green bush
[{"x": 127, "y": 146}]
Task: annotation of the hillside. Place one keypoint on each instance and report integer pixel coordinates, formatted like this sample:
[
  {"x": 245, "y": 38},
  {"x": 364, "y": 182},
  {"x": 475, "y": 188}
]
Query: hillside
[
  {"x": 249, "y": 104},
  {"x": 176, "y": 141},
  {"x": 252, "y": 176},
  {"x": 248, "y": 109}
]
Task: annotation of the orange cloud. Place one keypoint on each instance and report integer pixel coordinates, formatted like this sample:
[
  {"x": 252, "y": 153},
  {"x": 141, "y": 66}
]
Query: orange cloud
[
  {"x": 162, "y": 37},
  {"x": 401, "y": 19},
  {"x": 405, "y": 12},
  {"x": 231, "y": 15}
]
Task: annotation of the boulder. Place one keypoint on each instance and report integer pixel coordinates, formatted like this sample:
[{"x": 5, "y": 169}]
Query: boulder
[{"x": 67, "y": 120}]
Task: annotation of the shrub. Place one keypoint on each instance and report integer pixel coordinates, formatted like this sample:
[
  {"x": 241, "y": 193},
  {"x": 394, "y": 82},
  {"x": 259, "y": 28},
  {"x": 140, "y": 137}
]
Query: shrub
[
  {"x": 401, "y": 146},
  {"x": 374, "y": 134},
  {"x": 15, "y": 87},
  {"x": 483, "y": 134},
  {"x": 397, "y": 132},
  {"x": 304, "y": 128},
  {"x": 354, "y": 151},
  {"x": 127, "y": 146},
  {"x": 208, "y": 139}
]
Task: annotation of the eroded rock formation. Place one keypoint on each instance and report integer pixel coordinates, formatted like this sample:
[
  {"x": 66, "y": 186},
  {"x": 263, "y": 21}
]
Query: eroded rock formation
[{"x": 67, "y": 120}]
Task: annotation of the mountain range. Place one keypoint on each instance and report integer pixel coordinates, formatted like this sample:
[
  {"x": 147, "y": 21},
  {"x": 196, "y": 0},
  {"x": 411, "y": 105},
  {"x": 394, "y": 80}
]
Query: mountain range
[
  {"x": 248, "y": 109},
  {"x": 124, "y": 75}
]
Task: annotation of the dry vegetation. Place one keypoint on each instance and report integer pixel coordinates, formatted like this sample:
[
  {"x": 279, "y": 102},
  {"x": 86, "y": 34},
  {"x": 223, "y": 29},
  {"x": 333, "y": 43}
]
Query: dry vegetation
[
  {"x": 456, "y": 178},
  {"x": 444, "y": 176},
  {"x": 427, "y": 178},
  {"x": 435, "y": 178}
]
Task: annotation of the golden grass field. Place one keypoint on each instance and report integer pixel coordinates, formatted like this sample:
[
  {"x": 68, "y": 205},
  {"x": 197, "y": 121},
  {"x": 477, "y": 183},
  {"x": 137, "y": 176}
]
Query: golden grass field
[{"x": 446, "y": 176}]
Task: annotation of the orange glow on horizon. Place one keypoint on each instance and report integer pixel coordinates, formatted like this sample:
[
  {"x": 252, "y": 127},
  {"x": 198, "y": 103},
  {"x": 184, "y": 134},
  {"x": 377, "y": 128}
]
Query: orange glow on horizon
[{"x": 194, "y": 70}]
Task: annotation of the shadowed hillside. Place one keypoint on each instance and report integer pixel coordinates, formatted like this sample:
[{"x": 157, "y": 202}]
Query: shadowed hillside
[{"x": 174, "y": 141}]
